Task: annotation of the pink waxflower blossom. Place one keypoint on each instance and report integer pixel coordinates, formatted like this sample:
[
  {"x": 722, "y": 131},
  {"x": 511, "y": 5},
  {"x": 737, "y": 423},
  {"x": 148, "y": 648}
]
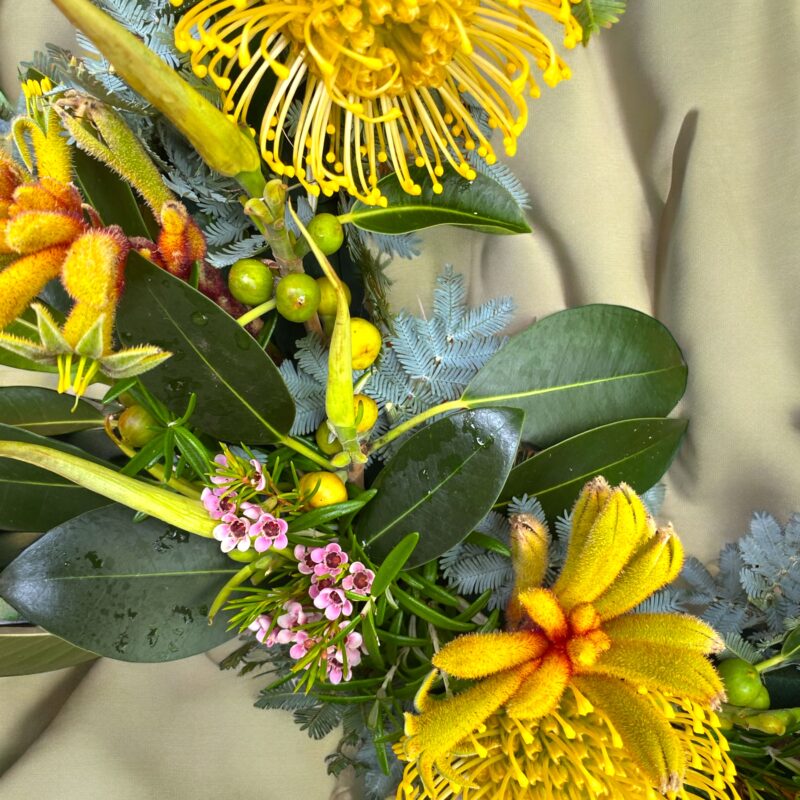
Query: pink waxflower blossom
[
  {"x": 257, "y": 480},
  {"x": 221, "y": 480},
  {"x": 352, "y": 648},
  {"x": 303, "y": 643},
  {"x": 334, "y": 603},
  {"x": 233, "y": 532},
  {"x": 271, "y": 533},
  {"x": 329, "y": 560},
  {"x": 318, "y": 584},
  {"x": 295, "y": 615},
  {"x": 305, "y": 566},
  {"x": 261, "y": 625},
  {"x": 218, "y": 502},
  {"x": 359, "y": 580}
]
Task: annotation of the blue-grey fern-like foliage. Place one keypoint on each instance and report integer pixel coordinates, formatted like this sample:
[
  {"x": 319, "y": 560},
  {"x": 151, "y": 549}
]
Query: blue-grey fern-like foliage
[
  {"x": 424, "y": 361},
  {"x": 753, "y": 597}
]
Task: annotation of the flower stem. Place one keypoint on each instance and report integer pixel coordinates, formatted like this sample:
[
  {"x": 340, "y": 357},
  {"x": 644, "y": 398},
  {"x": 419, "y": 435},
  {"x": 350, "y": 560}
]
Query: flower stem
[
  {"x": 394, "y": 433},
  {"x": 267, "y": 213},
  {"x": 305, "y": 450},
  {"x": 255, "y": 313},
  {"x": 239, "y": 578},
  {"x": 762, "y": 666}
]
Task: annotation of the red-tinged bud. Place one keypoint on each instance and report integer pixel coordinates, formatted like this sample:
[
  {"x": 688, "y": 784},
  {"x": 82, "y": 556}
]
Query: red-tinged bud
[
  {"x": 180, "y": 243},
  {"x": 10, "y": 179},
  {"x": 48, "y": 195},
  {"x": 93, "y": 270}
]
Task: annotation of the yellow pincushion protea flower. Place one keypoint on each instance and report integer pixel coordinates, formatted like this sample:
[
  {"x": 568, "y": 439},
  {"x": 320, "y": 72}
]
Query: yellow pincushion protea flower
[
  {"x": 377, "y": 81},
  {"x": 578, "y": 699}
]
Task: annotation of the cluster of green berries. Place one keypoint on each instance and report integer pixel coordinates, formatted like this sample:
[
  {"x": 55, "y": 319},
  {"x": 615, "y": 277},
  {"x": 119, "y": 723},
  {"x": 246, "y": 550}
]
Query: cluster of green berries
[
  {"x": 297, "y": 296},
  {"x": 743, "y": 684}
]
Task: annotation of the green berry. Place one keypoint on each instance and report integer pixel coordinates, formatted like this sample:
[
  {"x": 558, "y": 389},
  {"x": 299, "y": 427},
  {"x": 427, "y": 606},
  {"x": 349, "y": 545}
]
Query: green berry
[
  {"x": 137, "y": 426},
  {"x": 297, "y": 297},
  {"x": 742, "y": 681},
  {"x": 762, "y": 700},
  {"x": 323, "y": 437},
  {"x": 327, "y": 232},
  {"x": 327, "y": 299},
  {"x": 250, "y": 281}
]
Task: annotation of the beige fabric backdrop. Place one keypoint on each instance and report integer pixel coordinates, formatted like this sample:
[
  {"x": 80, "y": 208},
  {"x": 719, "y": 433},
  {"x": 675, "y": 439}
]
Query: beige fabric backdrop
[{"x": 665, "y": 177}]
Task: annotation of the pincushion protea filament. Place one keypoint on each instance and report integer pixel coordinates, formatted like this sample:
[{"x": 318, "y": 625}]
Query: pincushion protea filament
[{"x": 397, "y": 82}]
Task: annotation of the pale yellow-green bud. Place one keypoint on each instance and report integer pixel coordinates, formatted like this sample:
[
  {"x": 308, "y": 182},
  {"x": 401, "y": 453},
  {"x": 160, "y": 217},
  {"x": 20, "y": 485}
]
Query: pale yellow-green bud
[{"x": 221, "y": 143}]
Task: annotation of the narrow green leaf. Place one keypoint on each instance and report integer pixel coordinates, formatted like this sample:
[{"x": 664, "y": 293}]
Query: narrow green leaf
[
  {"x": 637, "y": 451},
  {"x": 321, "y": 516},
  {"x": 134, "y": 592},
  {"x": 481, "y": 204},
  {"x": 212, "y": 357},
  {"x": 46, "y": 412},
  {"x": 419, "y": 609},
  {"x": 441, "y": 482},
  {"x": 34, "y": 499},
  {"x": 393, "y": 563},
  {"x": 582, "y": 368},
  {"x": 25, "y": 651},
  {"x": 174, "y": 509}
]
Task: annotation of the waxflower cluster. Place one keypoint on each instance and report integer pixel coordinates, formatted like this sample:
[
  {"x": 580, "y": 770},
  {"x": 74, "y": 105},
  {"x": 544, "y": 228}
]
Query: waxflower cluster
[
  {"x": 311, "y": 626},
  {"x": 242, "y": 523}
]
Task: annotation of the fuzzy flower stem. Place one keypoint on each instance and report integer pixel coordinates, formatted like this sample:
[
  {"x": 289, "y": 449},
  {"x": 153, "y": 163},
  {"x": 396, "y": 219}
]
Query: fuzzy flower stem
[
  {"x": 394, "y": 433},
  {"x": 255, "y": 313},
  {"x": 239, "y": 578}
]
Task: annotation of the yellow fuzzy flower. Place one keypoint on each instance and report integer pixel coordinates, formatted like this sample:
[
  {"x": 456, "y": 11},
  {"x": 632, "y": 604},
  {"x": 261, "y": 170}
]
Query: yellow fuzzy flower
[
  {"x": 578, "y": 698},
  {"x": 357, "y": 84}
]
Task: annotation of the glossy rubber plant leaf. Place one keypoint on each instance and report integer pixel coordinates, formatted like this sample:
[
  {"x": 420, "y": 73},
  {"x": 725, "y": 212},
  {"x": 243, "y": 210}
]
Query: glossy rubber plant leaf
[
  {"x": 582, "y": 368},
  {"x": 440, "y": 483},
  {"x": 636, "y": 451},
  {"x": 25, "y": 651},
  {"x": 45, "y": 411},
  {"x": 241, "y": 396},
  {"x": 34, "y": 499},
  {"x": 481, "y": 204},
  {"x": 130, "y": 591}
]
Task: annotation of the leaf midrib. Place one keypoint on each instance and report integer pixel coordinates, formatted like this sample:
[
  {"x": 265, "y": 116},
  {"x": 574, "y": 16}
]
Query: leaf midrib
[
  {"x": 275, "y": 433},
  {"x": 115, "y": 576},
  {"x": 472, "y": 219},
  {"x": 425, "y": 498},
  {"x": 594, "y": 472},
  {"x": 534, "y": 392}
]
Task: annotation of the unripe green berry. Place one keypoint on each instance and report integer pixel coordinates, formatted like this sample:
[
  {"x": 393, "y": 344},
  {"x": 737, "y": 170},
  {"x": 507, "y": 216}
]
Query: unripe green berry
[
  {"x": 250, "y": 281},
  {"x": 327, "y": 297},
  {"x": 137, "y": 426},
  {"x": 742, "y": 681},
  {"x": 297, "y": 297},
  {"x": 327, "y": 233}
]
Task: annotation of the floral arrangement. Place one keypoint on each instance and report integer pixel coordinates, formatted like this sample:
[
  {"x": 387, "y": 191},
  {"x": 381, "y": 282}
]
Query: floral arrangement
[{"x": 438, "y": 537}]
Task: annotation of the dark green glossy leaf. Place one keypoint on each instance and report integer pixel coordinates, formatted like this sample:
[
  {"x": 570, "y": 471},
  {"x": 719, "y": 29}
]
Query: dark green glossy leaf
[
  {"x": 394, "y": 563},
  {"x": 241, "y": 396},
  {"x": 441, "y": 482},
  {"x": 46, "y": 412},
  {"x": 783, "y": 686},
  {"x": 111, "y": 197},
  {"x": 134, "y": 592},
  {"x": 33, "y": 499},
  {"x": 637, "y": 451},
  {"x": 25, "y": 651},
  {"x": 583, "y": 368},
  {"x": 481, "y": 204},
  {"x": 12, "y": 543}
]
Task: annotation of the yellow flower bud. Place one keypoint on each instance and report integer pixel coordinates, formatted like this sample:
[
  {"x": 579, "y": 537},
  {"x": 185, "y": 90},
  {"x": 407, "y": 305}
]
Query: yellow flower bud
[{"x": 220, "y": 142}]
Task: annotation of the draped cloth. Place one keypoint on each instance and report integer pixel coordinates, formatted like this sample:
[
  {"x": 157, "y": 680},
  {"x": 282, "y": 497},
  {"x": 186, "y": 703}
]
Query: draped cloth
[{"x": 664, "y": 176}]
